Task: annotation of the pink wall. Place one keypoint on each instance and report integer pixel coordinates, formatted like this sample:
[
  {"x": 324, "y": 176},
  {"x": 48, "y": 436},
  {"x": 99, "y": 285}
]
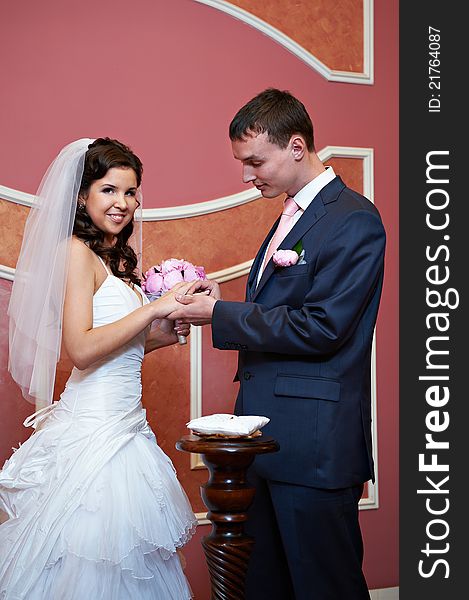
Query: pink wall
[
  {"x": 13, "y": 408},
  {"x": 166, "y": 77}
]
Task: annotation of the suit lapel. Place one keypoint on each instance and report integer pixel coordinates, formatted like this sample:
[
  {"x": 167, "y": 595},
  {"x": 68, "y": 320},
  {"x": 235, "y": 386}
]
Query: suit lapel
[
  {"x": 251, "y": 285},
  {"x": 315, "y": 211}
]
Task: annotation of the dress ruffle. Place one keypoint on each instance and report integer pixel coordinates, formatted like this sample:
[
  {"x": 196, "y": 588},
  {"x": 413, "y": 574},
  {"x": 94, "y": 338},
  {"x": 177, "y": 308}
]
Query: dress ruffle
[{"x": 92, "y": 515}]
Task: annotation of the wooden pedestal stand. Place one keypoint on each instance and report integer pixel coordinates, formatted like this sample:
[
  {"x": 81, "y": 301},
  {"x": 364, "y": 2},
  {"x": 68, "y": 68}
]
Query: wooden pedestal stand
[{"x": 227, "y": 495}]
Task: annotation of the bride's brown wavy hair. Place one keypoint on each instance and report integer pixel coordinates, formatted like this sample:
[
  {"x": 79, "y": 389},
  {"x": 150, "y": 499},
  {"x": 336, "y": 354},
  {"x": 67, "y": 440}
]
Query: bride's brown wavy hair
[{"x": 104, "y": 154}]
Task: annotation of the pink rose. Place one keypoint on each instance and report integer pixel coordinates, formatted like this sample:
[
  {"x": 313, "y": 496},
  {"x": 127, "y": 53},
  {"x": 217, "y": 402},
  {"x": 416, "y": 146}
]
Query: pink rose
[
  {"x": 190, "y": 273},
  {"x": 200, "y": 273},
  {"x": 149, "y": 272},
  {"x": 170, "y": 279},
  {"x": 153, "y": 283},
  {"x": 172, "y": 264},
  {"x": 161, "y": 278},
  {"x": 285, "y": 258}
]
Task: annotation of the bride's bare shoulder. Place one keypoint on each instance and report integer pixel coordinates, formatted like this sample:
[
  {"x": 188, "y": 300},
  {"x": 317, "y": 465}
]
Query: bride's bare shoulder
[{"x": 80, "y": 254}]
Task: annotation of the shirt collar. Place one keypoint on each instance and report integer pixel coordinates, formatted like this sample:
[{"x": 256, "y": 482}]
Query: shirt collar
[{"x": 307, "y": 194}]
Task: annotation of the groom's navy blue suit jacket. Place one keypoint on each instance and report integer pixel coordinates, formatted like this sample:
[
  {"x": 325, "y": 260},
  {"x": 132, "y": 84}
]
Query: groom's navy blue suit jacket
[{"x": 304, "y": 337}]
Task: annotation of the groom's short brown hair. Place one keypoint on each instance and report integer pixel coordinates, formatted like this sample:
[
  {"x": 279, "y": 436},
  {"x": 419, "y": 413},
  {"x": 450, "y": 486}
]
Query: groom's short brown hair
[{"x": 277, "y": 113}]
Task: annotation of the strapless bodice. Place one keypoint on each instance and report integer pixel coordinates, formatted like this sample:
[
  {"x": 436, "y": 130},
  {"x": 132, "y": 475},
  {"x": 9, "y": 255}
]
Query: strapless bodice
[{"x": 114, "y": 382}]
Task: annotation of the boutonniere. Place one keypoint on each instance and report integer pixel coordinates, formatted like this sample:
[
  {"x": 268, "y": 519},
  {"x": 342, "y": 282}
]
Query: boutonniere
[{"x": 287, "y": 258}]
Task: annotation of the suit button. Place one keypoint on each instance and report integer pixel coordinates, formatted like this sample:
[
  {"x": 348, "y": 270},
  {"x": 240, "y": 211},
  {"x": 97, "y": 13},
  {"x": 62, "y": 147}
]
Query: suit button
[{"x": 247, "y": 375}]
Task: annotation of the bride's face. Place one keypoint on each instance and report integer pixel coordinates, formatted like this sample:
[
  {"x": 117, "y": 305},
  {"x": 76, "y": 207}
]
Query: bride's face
[{"x": 112, "y": 200}]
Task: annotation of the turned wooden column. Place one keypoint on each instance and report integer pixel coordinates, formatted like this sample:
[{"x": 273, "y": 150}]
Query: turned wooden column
[{"x": 227, "y": 496}]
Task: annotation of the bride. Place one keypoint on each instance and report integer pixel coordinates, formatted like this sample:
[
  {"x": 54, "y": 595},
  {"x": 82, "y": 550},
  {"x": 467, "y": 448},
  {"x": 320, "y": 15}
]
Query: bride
[{"x": 91, "y": 504}]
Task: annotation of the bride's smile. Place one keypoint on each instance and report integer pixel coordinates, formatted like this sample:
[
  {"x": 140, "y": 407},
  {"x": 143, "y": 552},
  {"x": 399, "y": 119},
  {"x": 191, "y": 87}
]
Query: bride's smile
[
  {"x": 111, "y": 201},
  {"x": 117, "y": 218}
]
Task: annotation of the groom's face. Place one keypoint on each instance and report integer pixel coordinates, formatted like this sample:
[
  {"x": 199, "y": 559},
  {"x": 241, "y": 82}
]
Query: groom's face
[{"x": 268, "y": 167}]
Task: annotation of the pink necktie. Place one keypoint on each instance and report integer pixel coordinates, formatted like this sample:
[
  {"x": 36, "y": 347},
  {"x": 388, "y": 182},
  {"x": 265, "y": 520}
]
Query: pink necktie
[{"x": 285, "y": 224}]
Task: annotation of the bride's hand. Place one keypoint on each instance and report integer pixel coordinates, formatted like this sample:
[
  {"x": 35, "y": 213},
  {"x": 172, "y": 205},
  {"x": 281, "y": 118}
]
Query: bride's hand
[
  {"x": 167, "y": 303},
  {"x": 165, "y": 332},
  {"x": 174, "y": 328}
]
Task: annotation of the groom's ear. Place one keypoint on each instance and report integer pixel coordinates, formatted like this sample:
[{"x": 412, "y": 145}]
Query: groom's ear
[{"x": 298, "y": 147}]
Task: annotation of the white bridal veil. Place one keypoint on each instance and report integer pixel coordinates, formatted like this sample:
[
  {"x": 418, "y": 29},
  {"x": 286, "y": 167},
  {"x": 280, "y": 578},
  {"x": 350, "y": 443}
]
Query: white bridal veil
[{"x": 37, "y": 296}]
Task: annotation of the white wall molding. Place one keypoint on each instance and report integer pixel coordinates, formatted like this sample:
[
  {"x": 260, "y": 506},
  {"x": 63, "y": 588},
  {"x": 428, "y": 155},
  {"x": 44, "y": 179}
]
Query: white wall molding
[
  {"x": 7, "y": 273},
  {"x": 385, "y": 594},
  {"x": 366, "y": 77},
  {"x": 372, "y": 500},
  {"x": 196, "y": 385},
  {"x": 169, "y": 213},
  {"x": 200, "y": 208},
  {"x": 231, "y": 272},
  {"x": 221, "y": 276},
  {"x": 202, "y": 519},
  {"x": 16, "y": 196},
  {"x": 367, "y": 156}
]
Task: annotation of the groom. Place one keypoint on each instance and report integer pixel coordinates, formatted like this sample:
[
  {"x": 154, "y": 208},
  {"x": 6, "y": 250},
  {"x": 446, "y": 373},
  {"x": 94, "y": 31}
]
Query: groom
[{"x": 304, "y": 336}]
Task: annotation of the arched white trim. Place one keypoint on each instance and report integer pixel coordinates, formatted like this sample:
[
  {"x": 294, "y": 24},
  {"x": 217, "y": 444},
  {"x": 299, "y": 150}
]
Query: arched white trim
[
  {"x": 167, "y": 213},
  {"x": 231, "y": 272},
  {"x": 7, "y": 273},
  {"x": 366, "y": 154},
  {"x": 221, "y": 276},
  {"x": 200, "y": 208},
  {"x": 16, "y": 196},
  {"x": 210, "y": 206},
  {"x": 331, "y": 75}
]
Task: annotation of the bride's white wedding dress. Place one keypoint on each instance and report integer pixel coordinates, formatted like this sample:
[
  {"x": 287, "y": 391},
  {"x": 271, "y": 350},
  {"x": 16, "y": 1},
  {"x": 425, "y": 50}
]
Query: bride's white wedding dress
[{"x": 95, "y": 509}]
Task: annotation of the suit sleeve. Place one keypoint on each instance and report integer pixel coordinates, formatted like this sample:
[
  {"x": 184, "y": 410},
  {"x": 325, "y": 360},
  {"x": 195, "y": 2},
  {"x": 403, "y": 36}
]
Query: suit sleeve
[{"x": 348, "y": 270}]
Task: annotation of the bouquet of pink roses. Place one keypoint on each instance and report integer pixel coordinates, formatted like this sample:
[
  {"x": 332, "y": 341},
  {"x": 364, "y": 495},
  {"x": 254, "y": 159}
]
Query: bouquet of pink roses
[{"x": 159, "y": 279}]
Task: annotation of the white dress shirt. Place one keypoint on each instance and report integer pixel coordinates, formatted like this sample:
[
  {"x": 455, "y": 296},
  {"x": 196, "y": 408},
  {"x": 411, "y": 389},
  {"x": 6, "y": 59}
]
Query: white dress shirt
[{"x": 304, "y": 198}]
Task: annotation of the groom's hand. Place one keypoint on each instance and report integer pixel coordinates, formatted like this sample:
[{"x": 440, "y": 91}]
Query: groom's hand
[
  {"x": 196, "y": 309},
  {"x": 204, "y": 285}
]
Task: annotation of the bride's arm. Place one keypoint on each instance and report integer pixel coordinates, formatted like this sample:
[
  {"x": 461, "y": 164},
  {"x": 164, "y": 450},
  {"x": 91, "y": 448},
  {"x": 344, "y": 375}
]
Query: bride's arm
[{"x": 85, "y": 344}]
